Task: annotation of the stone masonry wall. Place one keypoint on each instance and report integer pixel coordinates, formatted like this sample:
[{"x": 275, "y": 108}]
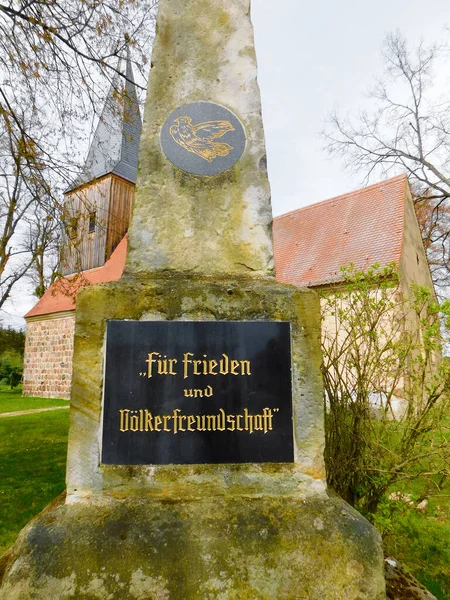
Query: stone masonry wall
[{"x": 48, "y": 358}]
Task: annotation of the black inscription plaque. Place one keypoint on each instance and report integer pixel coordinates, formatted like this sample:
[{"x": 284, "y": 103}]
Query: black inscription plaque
[
  {"x": 197, "y": 392},
  {"x": 203, "y": 138}
]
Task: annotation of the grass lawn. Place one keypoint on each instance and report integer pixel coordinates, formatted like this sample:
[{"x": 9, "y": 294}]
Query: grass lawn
[
  {"x": 419, "y": 540},
  {"x": 32, "y": 466},
  {"x": 13, "y": 400},
  {"x": 422, "y": 540}
]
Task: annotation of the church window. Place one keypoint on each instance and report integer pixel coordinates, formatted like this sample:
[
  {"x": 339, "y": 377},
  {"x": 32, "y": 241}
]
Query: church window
[{"x": 92, "y": 222}]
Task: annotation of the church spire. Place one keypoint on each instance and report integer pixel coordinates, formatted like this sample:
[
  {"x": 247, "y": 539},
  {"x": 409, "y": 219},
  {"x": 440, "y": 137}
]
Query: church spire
[{"x": 114, "y": 147}]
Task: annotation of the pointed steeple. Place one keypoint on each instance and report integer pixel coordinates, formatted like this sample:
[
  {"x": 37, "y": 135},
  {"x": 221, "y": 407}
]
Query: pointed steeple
[{"x": 115, "y": 145}]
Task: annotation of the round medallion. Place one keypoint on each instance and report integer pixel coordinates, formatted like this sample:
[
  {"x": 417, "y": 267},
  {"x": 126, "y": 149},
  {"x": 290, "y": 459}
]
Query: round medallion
[{"x": 203, "y": 138}]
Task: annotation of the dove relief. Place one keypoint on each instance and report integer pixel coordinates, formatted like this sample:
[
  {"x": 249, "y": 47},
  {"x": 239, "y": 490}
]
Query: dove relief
[{"x": 199, "y": 138}]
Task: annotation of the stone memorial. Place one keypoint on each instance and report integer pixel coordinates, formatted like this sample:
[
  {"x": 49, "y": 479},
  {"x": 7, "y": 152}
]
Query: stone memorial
[{"x": 195, "y": 462}]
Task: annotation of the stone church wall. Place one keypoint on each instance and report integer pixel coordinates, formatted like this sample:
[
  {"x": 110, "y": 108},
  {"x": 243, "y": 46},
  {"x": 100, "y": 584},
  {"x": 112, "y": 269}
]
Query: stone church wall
[{"x": 48, "y": 357}]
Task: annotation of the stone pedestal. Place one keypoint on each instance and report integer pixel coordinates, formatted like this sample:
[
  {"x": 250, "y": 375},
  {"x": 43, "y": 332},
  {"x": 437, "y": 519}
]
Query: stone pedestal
[
  {"x": 181, "y": 532},
  {"x": 193, "y": 299},
  {"x": 271, "y": 547}
]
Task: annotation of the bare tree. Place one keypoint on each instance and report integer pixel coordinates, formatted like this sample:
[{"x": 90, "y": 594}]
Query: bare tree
[
  {"x": 25, "y": 206},
  {"x": 42, "y": 241},
  {"x": 407, "y": 129},
  {"x": 58, "y": 59}
]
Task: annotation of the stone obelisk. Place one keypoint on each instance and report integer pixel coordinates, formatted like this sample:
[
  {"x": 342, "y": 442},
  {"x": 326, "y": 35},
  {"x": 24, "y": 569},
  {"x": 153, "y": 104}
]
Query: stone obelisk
[{"x": 221, "y": 496}]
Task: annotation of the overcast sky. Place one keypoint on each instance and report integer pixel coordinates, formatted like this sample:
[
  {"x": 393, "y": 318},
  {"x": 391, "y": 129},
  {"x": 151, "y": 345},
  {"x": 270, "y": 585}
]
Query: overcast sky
[{"x": 313, "y": 57}]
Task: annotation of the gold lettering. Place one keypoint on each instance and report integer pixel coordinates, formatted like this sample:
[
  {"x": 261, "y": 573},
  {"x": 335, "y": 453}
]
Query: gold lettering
[
  {"x": 231, "y": 420},
  {"x": 267, "y": 413},
  {"x": 248, "y": 420},
  {"x": 221, "y": 420},
  {"x": 172, "y": 361},
  {"x": 258, "y": 422},
  {"x": 197, "y": 362},
  {"x": 245, "y": 366},
  {"x": 162, "y": 366},
  {"x": 201, "y": 419},
  {"x": 198, "y": 393},
  {"x": 186, "y": 362},
  {"x": 207, "y": 366},
  {"x": 234, "y": 365},
  {"x": 151, "y": 361},
  {"x": 134, "y": 422},
  {"x": 175, "y": 420},
  {"x": 148, "y": 421},
  {"x": 124, "y": 419},
  {"x": 144, "y": 420},
  {"x": 223, "y": 365},
  {"x": 211, "y": 422}
]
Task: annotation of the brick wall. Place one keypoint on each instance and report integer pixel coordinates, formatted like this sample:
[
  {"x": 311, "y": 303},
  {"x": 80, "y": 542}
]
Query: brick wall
[{"x": 48, "y": 357}]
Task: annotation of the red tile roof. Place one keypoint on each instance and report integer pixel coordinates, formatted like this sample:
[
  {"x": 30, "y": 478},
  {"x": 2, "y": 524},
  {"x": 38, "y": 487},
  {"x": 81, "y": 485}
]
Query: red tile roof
[
  {"x": 363, "y": 227},
  {"x": 310, "y": 243},
  {"x": 61, "y": 295}
]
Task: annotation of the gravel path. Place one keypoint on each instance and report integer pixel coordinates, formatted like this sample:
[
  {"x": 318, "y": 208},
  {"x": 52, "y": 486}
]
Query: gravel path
[{"x": 18, "y": 413}]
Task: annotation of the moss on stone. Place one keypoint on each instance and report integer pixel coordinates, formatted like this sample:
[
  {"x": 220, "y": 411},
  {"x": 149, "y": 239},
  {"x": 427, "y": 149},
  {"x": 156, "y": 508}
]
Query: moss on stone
[
  {"x": 235, "y": 548},
  {"x": 202, "y": 52}
]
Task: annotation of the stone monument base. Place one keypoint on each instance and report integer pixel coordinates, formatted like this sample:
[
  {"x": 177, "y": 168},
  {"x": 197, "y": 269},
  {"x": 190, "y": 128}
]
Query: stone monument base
[
  {"x": 221, "y": 548},
  {"x": 205, "y": 531}
]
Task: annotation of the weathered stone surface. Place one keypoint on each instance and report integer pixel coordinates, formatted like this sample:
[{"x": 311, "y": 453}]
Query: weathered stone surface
[
  {"x": 194, "y": 298},
  {"x": 203, "y": 51},
  {"x": 232, "y": 548},
  {"x": 401, "y": 585}
]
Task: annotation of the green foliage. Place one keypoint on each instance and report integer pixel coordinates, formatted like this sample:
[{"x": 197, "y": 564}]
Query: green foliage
[
  {"x": 419, "y": 540},
  {"x": 12, "y": 345},
  {"x": 11, "y": 368},
  {"x": 11, "y": 340},
  {"x": 385, "y": 386}
]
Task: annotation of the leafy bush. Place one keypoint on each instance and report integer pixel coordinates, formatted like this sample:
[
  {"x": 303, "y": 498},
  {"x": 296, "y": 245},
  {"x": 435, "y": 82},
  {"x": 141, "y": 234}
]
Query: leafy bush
[
  {"x": 11, "y": 340},
  {"x": 11, "y": 368},
  {"x": 382, "y": 358}
]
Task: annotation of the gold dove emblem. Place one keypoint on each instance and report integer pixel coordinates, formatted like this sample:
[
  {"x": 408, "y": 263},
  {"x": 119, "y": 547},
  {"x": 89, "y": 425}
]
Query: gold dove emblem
[{"x": 199, "y": 138}]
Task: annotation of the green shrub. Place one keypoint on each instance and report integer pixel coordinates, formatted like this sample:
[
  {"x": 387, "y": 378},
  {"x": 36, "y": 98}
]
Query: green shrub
[
  {"x": 378, "y": 349},
  {"x": 11, "y": 368}
]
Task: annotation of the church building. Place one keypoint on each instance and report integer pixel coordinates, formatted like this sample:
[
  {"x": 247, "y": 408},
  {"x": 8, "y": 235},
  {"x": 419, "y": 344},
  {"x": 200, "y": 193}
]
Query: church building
[
  {"x": 98, "y": 209},
  {"x": 374, "y": 224}
]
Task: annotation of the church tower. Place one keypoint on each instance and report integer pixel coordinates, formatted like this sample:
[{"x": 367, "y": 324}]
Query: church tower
[
  {"x": 98, "y": 202},
  {"x": 98, "y": 207}
]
